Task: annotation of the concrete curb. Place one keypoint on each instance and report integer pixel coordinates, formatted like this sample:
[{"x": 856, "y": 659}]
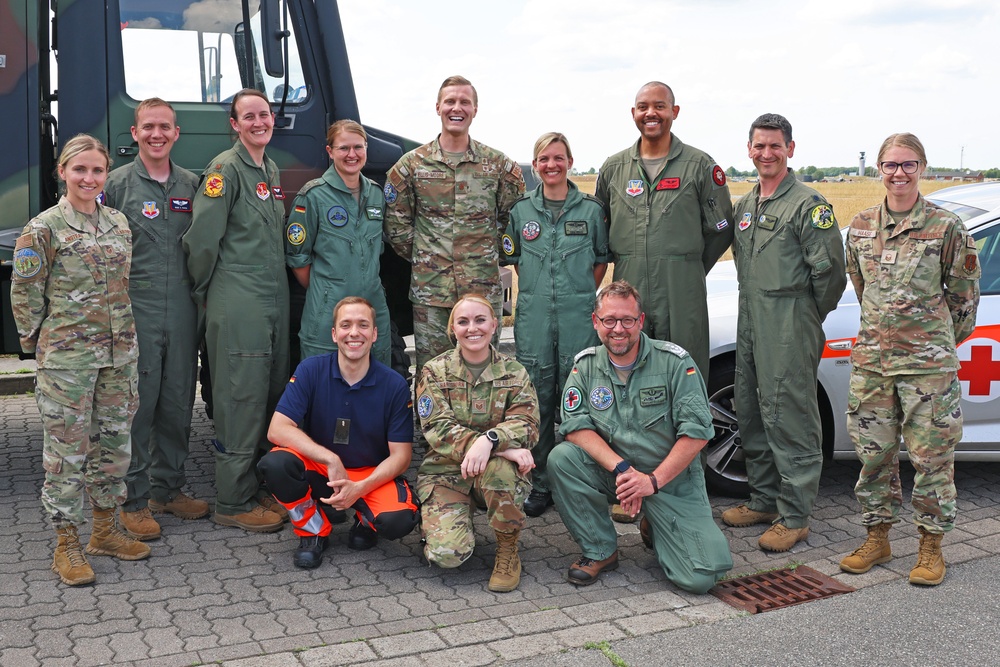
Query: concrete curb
[{"x": 17, "y": 383}]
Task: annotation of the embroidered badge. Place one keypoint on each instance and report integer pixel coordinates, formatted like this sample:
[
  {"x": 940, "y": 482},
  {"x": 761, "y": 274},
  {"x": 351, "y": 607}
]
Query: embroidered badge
[
  {"x": 296, "y": 234},
  {"x": 721, "y": 224},
  {"x": 479, "y": 406},
  {"x": 149, "y": 209},
  {"x": 718, "y": 175},
  {"x": 263, "y": 192},
  {"x": 572, "y": 400},
  {"x": 390, "y": 193},
  {"x": 373, "y": 212},
  {"x": 822, "y": 217},
  {"x": 575, "y": 228},
  {"x": 767, "y": 222},
  {"x": 668, "y": 184},
  {"x": 425, "y": 405},
  {"x": 601, "y": 398},
  {"x": 215, "y": 185},
  {"x": 337, "y": 215},
  {"x": 634, "y": 188},
  {"x": 691, "y": 371},
  {"x": 27, "y": 262},
  {"x": 863, "y": 233},
  {"x": 179, "y": 205},
  {"x": 531, "y": 230},
  {"x": 508, "y": 245},
  {"x": 970, "y": 263},
  {"x": 652, "y": 396},
  {"x": 299, "y": 208},
  {"x": 278, "y": 192},
  {"x": 745, "y": 222}
]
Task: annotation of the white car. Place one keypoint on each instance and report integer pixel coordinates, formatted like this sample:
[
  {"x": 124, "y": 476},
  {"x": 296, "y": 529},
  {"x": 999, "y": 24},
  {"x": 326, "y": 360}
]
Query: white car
[{"x": 979, "y": 207}]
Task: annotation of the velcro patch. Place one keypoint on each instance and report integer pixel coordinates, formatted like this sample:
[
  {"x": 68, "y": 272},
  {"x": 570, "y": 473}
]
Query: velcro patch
[
  {"x": 822, "y": 217},
  {"x": 652, "y": 396}
]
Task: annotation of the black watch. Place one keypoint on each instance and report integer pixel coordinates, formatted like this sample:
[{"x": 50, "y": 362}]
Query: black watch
[
  {"x": 622, "y": 466},
  {"x": 494, "y": 439}
]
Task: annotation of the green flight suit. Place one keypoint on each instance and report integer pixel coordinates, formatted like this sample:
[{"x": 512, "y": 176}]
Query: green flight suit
[
  {"x": 341, "y": 240},
  {"x": 166, "y": 324},
  {"x": 555, "y": 298},
  {"x": 667, "y": 232},
  {"x": 663, "y": 399},
  {"x": 236, "y": 256},
  {"x": 790, "y": 263}
]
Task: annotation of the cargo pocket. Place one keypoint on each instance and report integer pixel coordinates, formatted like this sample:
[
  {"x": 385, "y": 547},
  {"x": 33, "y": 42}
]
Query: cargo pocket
[{"x": 249, "y": 376}]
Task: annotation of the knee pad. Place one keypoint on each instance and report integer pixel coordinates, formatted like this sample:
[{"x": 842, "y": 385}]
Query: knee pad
[
  {"x": 397, "y": 524},
  {"x": 445, "y": 558},
  {"x": 282, "y": 470}
]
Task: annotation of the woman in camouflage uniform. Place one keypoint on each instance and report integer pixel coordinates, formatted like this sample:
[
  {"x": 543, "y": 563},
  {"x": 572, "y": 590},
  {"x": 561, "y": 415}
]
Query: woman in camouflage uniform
[
  {"x": 479, "y": 414},
  {"x": 69, "y": 294},
  {"x": 916, "y": 273}
]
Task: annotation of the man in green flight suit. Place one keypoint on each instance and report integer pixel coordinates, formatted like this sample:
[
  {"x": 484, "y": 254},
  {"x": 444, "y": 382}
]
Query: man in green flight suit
[
  {"x": 671, "y": 219},
  {"x": 635, "y": 416},
  {"x": 791, "y": 268},
  {"x": 155, "y": 195}
]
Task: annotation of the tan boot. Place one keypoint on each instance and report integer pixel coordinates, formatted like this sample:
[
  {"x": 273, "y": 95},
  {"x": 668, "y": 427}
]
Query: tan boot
[
  {"x": 874, "y": 551},
  {"x": 107, "y": 540},
  {"x": 140, "y": 524},
  {"x": 69, "y": 562},
  {"x": 507, "y": 568},
  {"x": 182, "y": 506},
  {"x": 930, "y": 569}
]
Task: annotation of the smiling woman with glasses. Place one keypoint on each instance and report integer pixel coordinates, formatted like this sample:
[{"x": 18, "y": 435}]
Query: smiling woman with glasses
[{"x": 916, "y": 274}]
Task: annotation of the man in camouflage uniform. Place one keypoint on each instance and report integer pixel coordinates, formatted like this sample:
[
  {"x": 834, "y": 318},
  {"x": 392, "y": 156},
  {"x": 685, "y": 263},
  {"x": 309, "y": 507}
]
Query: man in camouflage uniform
[
  {"x": 455, "y": 411},
  {"x": 790, "y": 261},
  {"x": 671, "y": 218},
  {"x": 155, "y": 195},
  {"x": 635, "y": 416},
  {"x": 447, "y": 203},
  {"x": 916, "y": 272}
]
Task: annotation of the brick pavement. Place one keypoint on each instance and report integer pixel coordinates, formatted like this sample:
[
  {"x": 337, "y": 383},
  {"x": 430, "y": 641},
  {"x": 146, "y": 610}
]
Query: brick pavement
[{"x": 216, "y": 594}]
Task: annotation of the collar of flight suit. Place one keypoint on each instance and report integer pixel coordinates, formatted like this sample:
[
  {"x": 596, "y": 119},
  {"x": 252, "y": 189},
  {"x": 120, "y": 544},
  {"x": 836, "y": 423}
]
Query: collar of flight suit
[{"x": 573, "y": 197}]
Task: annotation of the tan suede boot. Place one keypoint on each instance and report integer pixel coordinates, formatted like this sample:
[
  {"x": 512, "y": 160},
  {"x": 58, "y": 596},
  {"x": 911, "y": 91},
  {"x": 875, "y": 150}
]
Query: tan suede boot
[
  {"x": 69, "y": 562},
  {"x": 140, "y": 524},
  {"x": 507, "y": 568},
  {"x": 930, "y": 569},
  {"x": 107, "y": 540},
  {"x": 874, "y": 551}
]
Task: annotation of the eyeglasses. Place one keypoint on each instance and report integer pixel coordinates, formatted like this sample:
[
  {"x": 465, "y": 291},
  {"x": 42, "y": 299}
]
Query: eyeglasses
[
  {"x": 611, "y": 322},
  {"x": 357, "y": 148},
  {"x": 909, "y": 167}
]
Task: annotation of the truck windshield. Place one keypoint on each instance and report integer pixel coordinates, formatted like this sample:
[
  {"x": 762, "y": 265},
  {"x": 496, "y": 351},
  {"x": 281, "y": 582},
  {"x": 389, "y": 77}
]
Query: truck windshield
[{"x": 189, "y": 51}]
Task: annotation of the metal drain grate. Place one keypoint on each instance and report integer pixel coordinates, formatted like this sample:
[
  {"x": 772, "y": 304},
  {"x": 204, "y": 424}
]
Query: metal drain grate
[{"x": 777, "y": 589}]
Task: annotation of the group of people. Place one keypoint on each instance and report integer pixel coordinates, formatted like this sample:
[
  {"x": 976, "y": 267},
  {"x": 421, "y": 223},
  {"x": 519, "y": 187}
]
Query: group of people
[{"x": 113, "y": 304}]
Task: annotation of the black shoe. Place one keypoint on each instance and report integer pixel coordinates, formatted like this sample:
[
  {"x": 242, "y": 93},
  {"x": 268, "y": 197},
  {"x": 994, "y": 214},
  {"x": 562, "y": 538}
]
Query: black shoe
[
  {"x": 361, "y": 537},
  {"x": 310, "y": 552},
  {"x": 537, "y": 503}
]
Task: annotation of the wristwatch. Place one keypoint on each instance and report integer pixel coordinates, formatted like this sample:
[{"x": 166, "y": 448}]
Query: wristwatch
[
  {"x": 622, "y": 466},
  {"x": 494, "y": 438}
]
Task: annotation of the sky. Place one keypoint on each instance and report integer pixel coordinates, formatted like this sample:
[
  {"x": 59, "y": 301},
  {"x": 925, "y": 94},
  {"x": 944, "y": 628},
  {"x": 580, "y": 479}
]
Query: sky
[{"x": 846, "y": 74}]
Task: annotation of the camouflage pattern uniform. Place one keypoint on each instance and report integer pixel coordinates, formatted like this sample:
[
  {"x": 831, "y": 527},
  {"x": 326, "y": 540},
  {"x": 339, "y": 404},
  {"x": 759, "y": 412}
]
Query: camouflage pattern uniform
[
  {"x": 69, "y": 295},
  {"x": 663, "y": 399},
  {"x": 555, "y": 260},
  {"x": 341, "y": 240},
  {"x": 447, "y": 220},
  {"x": 790, "y": 260},
  {"x": 166, "y": 322},
  {"x": 918, "y": 284},
  {"x": 454, "y": 411},
  {"x": 236, "y": 256},
  {"x": 666, "y": 233}
]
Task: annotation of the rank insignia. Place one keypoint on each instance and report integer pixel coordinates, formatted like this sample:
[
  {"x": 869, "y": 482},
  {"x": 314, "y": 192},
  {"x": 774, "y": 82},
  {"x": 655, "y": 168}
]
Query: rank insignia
[
  {"x": 179, "y": 205},
  {"x": 508, "y": 245},
  {"x": 337, "y": 215},
  {"x": 745, "y": 222},
  {"x": 390, "y": 193},
  {"x": 634, "y": 188},
  {"x": 479, "y": 406},
  {"x": 149, "y": 209},
  {"x": 263, "y": 192},
  {"x": 425, "y": 405},
  {"x": 215, "y": 185},
  {"x": 822, "y": 216},
  {"x": 718, "y": 175},
  {"x": 601, "y": 398},
  {"x": 531, "y": 230},
  {"x": 27, "y": 262},
  {"x": 296, "y": 234},
  {"x": 572, "y": 400}
]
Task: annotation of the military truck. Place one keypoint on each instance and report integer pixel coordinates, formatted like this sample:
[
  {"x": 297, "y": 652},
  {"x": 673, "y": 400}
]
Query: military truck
[{"x": 70, "y": 66}]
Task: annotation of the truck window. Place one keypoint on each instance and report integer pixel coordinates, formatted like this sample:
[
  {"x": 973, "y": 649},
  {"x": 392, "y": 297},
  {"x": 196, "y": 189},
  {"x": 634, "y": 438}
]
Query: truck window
[{"x": 187, "y": 51}]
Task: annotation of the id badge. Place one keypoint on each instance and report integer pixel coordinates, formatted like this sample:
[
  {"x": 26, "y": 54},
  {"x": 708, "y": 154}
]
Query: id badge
[{"x": 342, "y": 434}]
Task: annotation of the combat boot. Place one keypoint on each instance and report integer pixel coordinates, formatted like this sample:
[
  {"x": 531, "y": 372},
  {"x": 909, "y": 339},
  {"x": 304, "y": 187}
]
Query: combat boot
[
  {"x": 930, "y": 569},
  {"x": 69, "y": 562},
  {"x": 140, "y": 524},
  {"x": 874, "y": 551},
  {"x": 507, "y": 568},
  {"x": 107, "y": 540}
]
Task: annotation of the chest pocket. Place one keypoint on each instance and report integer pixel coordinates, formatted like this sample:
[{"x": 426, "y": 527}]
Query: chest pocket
[{"x": 923, "y": 271}]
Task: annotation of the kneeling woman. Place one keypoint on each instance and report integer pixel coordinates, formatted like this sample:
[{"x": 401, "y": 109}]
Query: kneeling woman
[{"x": 479, "y": 414}]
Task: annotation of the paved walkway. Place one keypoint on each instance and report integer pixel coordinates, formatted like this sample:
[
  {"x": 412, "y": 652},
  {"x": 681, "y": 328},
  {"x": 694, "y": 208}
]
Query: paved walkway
[{"x": 216, "y": 594}]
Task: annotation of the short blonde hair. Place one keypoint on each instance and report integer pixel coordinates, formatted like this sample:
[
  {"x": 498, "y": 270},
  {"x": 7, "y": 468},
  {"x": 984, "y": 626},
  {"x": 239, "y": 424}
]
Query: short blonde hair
[
  {"x": 457, "y": 80},
  {"x": 473, "y": 297}
]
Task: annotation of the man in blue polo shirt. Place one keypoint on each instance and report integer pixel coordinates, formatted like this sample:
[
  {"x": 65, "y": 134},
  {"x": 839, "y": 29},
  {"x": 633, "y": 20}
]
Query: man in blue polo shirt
[{"x": 343, "y": 436}]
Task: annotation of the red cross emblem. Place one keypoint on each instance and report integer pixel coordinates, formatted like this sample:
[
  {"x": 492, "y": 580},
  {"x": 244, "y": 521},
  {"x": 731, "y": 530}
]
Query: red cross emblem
[
  {"x": 980, "y": 371},
  {"x": 572, "y": 399}
]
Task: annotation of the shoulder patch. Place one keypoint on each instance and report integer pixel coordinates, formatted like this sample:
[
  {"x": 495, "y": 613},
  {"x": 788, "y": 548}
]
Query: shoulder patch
[
  {"x": 822, "y": 216},
  {"x": 389, "y": 192},
  {"x": 425, "y": 406},
  {"x": 586, "y": 352},
  {"x": 296, "y": 234},
  {"x": 672, "y": 348},
  {"x": 718, "y": 176},
  {"x": 27, "y": 262},
  {"x": 215, "y": 185},
  {"x": 508, "y": 245}
]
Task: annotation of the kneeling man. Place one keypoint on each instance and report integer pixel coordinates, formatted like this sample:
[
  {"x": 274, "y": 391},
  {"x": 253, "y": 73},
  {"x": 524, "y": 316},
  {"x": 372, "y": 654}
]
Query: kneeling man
[
  {"x": 343, "y": 436},
  {"x": 635, "y": 416}
]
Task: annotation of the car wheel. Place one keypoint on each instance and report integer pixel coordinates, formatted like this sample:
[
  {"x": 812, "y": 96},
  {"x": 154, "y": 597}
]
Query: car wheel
[{"x": 725, "y": 466}]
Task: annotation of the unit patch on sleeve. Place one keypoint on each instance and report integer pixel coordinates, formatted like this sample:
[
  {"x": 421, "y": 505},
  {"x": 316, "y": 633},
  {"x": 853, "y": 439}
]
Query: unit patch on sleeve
[
  {"x": 718, "y": 175},
  {"x": 508, "y": 245},
  {"x": 296, "y": 234},
  {"x": 215, "y": 185},
  {"x": 390, "y": 193},
  {"x": 572, "y": 400},
  {"x": 27, "y": 262},
  {"x": 425, "y": 405},
  {"x": 822, "y": 216}
]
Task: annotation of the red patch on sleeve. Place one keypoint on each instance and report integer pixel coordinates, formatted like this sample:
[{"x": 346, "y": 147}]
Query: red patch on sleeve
[{"x": 718, "y": 175}]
